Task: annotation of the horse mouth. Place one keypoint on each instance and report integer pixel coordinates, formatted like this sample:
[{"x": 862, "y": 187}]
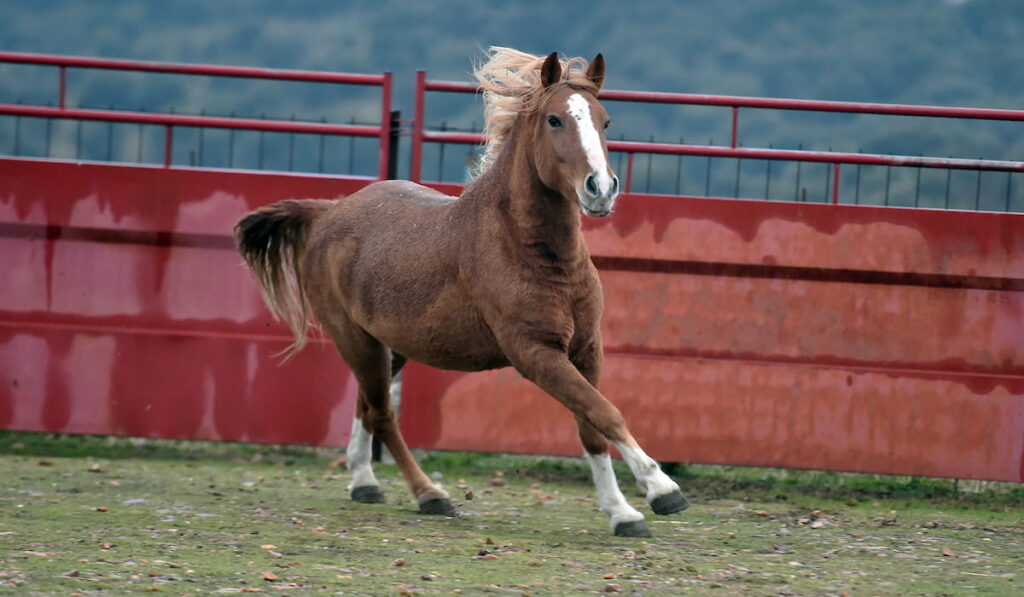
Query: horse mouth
[{"x": 594, "y": 213}]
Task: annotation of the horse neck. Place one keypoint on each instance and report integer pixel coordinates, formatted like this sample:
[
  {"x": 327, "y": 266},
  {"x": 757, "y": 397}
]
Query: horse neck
[{"x": 530, "y": 212}]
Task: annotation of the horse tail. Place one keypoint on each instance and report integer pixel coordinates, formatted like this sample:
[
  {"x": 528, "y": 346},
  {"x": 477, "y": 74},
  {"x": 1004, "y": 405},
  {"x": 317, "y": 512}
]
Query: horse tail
[{"x": 272, "y": 240}]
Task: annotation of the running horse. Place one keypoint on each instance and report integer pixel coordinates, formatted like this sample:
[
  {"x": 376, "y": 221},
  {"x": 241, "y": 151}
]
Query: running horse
[{"x": 498, "y": 277}]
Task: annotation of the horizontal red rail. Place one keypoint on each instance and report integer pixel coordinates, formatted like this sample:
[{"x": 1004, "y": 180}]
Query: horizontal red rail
[
  {"x": 734, "y": 150},
  {"x": 383, "y": 132},
  {"x": 192, "y": 69},
  {"x": 282, "y": 126},
  {"x": 735, "y": 101},
  {"x": 771, "y": 154}
]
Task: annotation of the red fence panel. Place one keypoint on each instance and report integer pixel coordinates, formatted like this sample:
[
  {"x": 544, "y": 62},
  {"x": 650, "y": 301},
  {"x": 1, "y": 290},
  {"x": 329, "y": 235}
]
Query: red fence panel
[
  {"x": 784, "y": 334},
  {"x": 780, "y": 334},
  {"x": 126, "y": 309}
]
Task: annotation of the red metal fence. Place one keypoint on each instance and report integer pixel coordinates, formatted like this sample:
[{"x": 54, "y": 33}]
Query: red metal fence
[
  {"x": 383, "y": 131},
  {"x": 742, "y": 332},
  {"x": 126, "y": 308},
  {"x": 779, "y": 333}
]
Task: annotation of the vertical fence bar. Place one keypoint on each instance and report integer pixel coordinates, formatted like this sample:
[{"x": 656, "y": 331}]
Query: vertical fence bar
[
  {"x": 977, "y": 192},
  {"x": 63, "y": 86},
  {"x": 1009, "y": 181},
  {"x": 650, "y": 158},
  {"x": 231, "y": 145},
  {"x": 291, "y": 147},
  {"x": 320, "y": 157},
  {"x": 735, "y": 125},
  {"x": 736, "y": 188},
  {"x": 385, "y": 127},
  {"x": 835, "y": 183},
  {"x": 629, "y": 171},
  {"x": 707, "y": 174},
  {"x": 168, "y": 145},
  {"x": 416, "y": 160},
  {"x": 49, "y": 130},
  {"x": 440, "y": 157},
  {"x": 394, "y": 125}
]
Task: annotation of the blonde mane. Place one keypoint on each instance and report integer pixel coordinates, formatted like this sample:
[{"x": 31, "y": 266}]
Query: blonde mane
[{"x": 511, "y": 84}]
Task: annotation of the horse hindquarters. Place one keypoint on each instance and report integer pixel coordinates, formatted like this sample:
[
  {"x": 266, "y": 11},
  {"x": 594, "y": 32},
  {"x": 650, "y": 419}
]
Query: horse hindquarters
[{"x": 274, "y": 242}]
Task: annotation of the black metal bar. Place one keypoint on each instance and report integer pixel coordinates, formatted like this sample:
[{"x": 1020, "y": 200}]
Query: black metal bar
[
  {"x": 291, "y": 147},
  {"x": 888, "y": 177},
  {"x": 231, "y": 145},
  {"x": 679, "y": 168},
  {"x": 796, "y": 190},
  {"x": 259, "y": 156},
  {"x": 650, "y": 158},
  {"x": 17, "y": 134},
  {"x": 395, "y": 134},
  {"x": 199, "y": 150},
  {"x": 917, "y": 189},
  {"x": 351, "y": 149},
  {"x": 618, "y": 167},
  {"x": 856, "y": 193},
  {"x": 949, "y": 175},
  {"x": 1009, "y": 181},
  {"x": 49, "y": 130},
  {"x": 320, "y": 158},
  {"x": 736, "y": 188},
  {"x": 977, "y": 192},
  {"x": 138, "y": 149},
  {"x": 767, "y": 175},
  {"x": 440, "y": 158},
  {"x": 828, "y": 177},
  {"x": 707, "y": 176}
]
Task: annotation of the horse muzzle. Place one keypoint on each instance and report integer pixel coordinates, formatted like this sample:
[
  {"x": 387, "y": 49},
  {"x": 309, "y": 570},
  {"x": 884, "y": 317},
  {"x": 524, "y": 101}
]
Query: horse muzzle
[{"x": 597, "y": 200}]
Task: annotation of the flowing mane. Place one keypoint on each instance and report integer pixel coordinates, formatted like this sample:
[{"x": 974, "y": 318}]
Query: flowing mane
[{"x": 511, "y": 84}]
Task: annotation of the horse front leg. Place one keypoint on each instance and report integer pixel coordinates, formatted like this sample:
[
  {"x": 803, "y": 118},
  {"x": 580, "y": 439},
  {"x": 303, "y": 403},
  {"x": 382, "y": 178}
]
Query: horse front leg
[{"x": 600, "y": 421}]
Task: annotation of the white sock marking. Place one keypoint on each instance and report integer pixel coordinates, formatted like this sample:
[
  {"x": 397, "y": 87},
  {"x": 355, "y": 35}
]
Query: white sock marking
[
  {"x": 579, "y": 109},
  {"x": 359, "y": 454},
  {"x": 652, "y": 481},
  {"x": 609, "y": 496}
]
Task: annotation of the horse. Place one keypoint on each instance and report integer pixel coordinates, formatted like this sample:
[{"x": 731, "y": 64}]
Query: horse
[{"x": 498, "y": 277}]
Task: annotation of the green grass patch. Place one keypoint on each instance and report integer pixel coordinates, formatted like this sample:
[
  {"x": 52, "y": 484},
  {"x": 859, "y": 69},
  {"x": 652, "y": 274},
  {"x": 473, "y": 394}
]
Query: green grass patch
[{"x": 106, "y": 516}]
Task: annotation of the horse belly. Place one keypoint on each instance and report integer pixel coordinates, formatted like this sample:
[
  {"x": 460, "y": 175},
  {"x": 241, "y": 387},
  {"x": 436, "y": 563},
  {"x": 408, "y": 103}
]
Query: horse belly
[{"x": 450, "y": 334}]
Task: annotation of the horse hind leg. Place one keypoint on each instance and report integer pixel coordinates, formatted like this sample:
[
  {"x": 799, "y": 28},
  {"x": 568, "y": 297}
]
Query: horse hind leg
[{"x": 372, "y": 363}]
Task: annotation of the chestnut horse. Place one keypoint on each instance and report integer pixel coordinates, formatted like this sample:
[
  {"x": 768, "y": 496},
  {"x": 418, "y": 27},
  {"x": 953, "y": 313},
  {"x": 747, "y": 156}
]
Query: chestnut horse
[{"x": 499, "y": 276}]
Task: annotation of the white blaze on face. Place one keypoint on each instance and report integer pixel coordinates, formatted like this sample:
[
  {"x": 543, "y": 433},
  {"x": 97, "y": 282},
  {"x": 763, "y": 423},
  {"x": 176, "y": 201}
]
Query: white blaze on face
[{"x": 590, "y": 140}]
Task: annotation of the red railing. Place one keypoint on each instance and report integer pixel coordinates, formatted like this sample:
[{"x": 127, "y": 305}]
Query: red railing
[
  {"x": 421, "y": 135},
  {"x": 169, "y": 121}
]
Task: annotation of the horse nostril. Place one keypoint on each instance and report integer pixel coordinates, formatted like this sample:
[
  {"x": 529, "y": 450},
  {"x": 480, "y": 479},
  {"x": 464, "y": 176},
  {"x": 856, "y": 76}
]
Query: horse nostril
[
  {"x": 615, "y": 185},
  {"x": 590, "y": 185}
]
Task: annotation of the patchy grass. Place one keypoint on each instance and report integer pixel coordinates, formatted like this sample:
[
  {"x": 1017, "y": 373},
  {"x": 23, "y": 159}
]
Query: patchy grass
[{"x": 98, "y": 516}]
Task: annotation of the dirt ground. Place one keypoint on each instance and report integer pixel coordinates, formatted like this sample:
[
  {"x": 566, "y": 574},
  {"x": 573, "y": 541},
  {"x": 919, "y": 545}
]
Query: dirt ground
[{"x": 104, "y": 516}]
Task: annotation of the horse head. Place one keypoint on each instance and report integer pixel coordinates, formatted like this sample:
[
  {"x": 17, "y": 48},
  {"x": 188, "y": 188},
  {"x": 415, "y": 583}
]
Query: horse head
[{"x": 569, "y": 148}]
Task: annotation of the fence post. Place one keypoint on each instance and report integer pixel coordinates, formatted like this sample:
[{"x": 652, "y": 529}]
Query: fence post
[{"x": 395, "y": 130}]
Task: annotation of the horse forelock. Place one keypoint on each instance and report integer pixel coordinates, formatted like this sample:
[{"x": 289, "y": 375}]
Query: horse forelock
[{"x": 511, "y": 85}]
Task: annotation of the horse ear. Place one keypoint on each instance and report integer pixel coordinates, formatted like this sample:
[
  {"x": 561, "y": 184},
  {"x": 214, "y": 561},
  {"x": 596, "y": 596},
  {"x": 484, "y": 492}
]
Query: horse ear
[
  {"x": 551, "y": 71},
  {"x": 595, "y": 72}
]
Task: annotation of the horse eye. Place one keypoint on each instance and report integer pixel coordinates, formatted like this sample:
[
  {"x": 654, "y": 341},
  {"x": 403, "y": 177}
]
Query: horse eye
[
  {"x": 607, "y": 123},
  {"x": 554, "y": 122}
]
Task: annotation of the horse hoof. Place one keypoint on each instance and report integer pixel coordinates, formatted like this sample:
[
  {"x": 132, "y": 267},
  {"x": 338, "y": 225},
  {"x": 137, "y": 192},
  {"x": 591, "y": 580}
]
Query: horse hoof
[
  {"x": 670, "y": 503},
  {"x": 632, "y": 528},
  {"x": 438, "y": 506},
  {"x": 368, "y": 494}
]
